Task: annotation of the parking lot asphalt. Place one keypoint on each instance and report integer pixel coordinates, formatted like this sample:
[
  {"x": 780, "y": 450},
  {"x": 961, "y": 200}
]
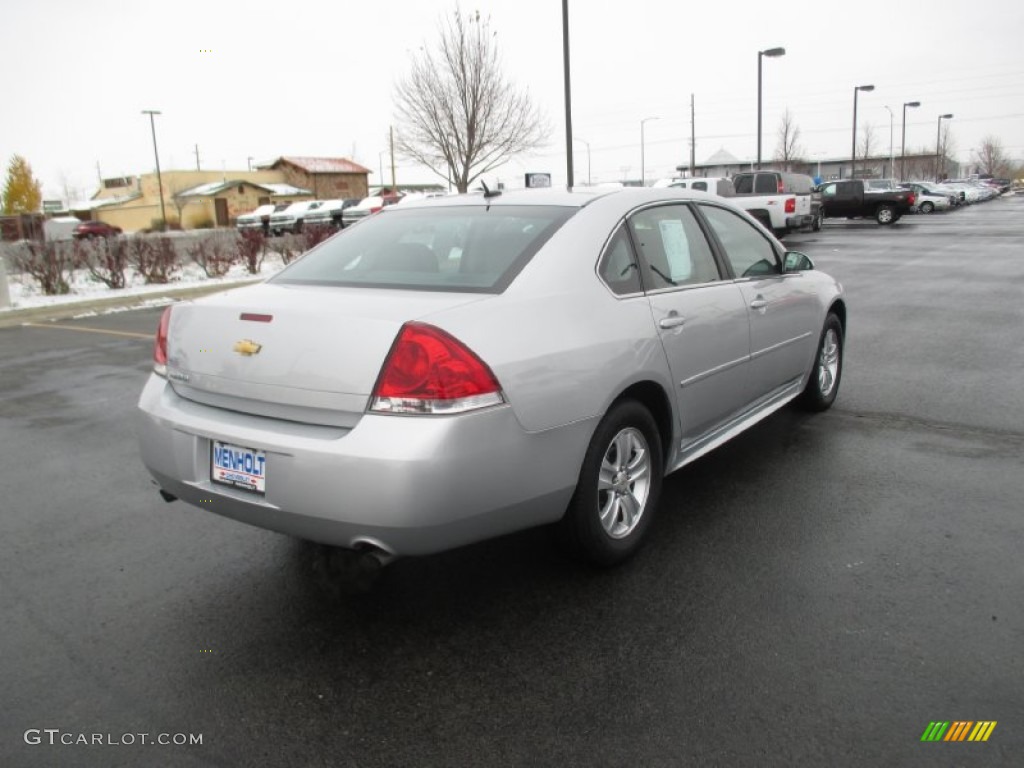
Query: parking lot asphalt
[{"x": 816, "y": 592}]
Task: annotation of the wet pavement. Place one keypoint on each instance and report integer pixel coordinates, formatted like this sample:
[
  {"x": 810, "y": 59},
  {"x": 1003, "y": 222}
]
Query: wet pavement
[{"x": 815, "y": 592}]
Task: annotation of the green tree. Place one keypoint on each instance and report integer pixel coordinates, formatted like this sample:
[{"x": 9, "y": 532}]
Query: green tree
[{"x": 22, "y": 192}]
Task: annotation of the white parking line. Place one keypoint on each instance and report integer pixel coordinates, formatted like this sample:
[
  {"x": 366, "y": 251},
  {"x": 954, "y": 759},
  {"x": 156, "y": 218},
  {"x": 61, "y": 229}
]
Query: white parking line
[{"x": 129, "y": 334}]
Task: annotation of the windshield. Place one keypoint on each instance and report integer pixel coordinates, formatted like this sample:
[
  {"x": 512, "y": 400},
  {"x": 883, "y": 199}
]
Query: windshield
[{"x": 472, "y": 248}]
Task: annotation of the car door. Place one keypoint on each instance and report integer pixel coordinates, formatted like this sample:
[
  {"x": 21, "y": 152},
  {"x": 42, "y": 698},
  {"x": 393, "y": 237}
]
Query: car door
[
  {"x": 839, "y": 199},
  {"x": 700, "y": 318},
  {"x": 783, "y": 307}
]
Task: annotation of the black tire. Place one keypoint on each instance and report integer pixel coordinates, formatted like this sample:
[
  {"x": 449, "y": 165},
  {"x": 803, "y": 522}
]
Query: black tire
[
  {"x": 823, "y": 382},
  {"x": 626, "y": 437},
  {"x": 926, "y": 207},
  {"x": 885, "y": 214}
]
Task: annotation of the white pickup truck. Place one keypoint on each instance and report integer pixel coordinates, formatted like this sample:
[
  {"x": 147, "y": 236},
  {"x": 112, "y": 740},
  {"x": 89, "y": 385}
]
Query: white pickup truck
[{"x": 782, "y": 201}]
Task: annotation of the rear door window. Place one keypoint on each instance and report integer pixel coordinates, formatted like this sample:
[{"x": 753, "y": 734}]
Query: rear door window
[{"x": 673, "y": 248}]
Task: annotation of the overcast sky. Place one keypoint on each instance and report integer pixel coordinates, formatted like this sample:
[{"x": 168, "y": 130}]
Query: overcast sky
[{"x": 262, "y": 79}]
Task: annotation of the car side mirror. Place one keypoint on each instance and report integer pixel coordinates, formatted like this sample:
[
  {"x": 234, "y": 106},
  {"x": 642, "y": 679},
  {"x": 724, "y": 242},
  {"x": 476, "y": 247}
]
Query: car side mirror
[{"x": 797, "y": 262}]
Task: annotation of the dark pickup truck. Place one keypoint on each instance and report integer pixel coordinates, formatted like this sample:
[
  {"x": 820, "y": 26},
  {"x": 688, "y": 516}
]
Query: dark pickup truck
[{"x": 848, "y": 198}]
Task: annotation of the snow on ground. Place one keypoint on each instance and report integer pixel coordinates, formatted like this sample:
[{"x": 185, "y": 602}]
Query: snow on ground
[{"x": 26, "y": 293}]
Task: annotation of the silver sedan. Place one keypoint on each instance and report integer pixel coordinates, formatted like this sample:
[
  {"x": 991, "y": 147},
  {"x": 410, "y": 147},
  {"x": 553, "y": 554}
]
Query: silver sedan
[{"x": 456, "y": 369}]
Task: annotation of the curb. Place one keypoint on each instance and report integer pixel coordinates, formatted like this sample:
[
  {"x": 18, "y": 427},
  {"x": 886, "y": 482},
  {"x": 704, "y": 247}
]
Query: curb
[{"x": 14, "y": 317}]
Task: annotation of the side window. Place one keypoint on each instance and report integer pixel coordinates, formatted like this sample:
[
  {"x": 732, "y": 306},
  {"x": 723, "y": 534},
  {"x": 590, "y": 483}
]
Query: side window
[
  {"x": 673, "y": 249},
  {"x": 766, "y": 184},
  {"x": 747, "y": 250},
  {"x": 618, "y": 267},
  {"x": 702, "y": 185},
  {"x": 829, "y": 190}
]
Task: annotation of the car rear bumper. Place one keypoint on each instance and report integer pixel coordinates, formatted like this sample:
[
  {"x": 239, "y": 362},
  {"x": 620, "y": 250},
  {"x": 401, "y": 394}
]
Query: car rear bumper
[
  {"x": 799, "y": 221},
  {"x": 409, "y": 485}
]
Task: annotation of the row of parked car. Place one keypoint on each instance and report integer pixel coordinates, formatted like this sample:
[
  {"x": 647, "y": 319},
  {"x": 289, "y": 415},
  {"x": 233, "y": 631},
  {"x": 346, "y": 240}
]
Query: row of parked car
[
  {"x": 786, "y": 202},
  {"x": 279, "y": 218}
]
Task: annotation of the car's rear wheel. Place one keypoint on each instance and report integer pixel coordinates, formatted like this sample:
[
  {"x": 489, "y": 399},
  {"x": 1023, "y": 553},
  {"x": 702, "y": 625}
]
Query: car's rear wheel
[
  {"x": 618, "y": 488},
  {"x": 823, "y": 383},
  {"x": 926, "y": 207},
  {"x": 885, "y": 214}
]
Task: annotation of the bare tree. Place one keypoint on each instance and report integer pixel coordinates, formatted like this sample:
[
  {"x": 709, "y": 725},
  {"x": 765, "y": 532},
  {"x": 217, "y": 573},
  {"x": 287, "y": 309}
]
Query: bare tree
[
  {"x": 457, "y": 114},
  {"x": 867, "y": 141},
  {"x": 947, "y": 148},
  {"x": 789, "y": 149},
  {"x": 992, "y": 159}
]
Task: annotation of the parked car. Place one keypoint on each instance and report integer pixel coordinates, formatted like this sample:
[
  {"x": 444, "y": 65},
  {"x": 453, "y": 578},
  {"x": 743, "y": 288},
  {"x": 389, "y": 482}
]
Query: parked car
[
  {"x": 849, "y": 198},
  {"x": 781, "y": 201},
  {"x": 930, "y": 198},
  {"x": 366, "y": 207},
  {"x": 456, "y": 369},
  {"x": 323, "y": 215},
  {"x": 290, "y": 219},
  {"x": 716, "y": 185},
  {"x": 90, "y": 229},
  {"x": 259, "y": 218}
]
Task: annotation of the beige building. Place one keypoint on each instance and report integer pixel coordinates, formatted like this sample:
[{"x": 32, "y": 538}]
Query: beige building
[{"x": 195, "y": 199}]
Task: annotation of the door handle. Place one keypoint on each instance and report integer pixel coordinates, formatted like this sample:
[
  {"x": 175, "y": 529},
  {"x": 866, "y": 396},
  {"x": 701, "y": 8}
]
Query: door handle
[
  {"x": 672, "y": 321},
  {"x": 758, "y": 304}
]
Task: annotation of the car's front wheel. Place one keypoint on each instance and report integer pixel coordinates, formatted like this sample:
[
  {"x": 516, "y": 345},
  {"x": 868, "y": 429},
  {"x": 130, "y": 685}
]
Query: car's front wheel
[
  {"x": 618, "y": 487},
  {"x": 823, "y": 383}
]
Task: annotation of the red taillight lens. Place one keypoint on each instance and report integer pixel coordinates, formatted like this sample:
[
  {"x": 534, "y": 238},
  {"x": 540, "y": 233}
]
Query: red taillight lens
[
  {"x": 911, "y": 198},
  {"x": 160, "y": 344},
  {"x": 791, "y": 205},
  {"x": 430, "y": 371},
  {"x": 376, "y": 209}
]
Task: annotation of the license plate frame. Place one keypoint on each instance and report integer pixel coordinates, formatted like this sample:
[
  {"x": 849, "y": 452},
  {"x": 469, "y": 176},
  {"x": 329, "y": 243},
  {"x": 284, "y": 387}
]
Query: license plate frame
[{"x": 238, "y": 466}]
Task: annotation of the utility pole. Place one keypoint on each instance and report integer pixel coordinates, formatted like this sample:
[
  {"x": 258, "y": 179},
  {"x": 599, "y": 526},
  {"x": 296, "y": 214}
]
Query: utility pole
[
  {"x": 394, "y": 189},
  {"x": 196, "y": 153},
  {"x": 693, "y": 137},
  {"x": 568, "y": 99},
  {"x": 159, "y": 179}
]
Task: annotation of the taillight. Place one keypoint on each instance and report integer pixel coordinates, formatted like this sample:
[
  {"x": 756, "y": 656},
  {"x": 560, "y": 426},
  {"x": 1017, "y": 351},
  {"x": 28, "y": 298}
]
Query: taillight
[
  {"x": 160, "y": 344},
  {"x": 376, "y": 209},
  {"x": 911, "y": 198},
  {"x": 429, "y": 371},
  {"x": 791, "y": 205}
]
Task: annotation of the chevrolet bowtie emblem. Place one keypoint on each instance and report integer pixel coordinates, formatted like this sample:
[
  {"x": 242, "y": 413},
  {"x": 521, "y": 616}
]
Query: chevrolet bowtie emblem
[{"x": 247, "y": 347}]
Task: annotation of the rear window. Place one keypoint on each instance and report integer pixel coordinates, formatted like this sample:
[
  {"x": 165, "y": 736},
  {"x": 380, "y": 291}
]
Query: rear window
[{"x": 467, "y": 249}]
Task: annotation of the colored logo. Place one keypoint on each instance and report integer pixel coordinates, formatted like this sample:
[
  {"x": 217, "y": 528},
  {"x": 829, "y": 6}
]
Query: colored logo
[
  {"x": 958, "y": 730},
  {"x": 247, "y": 347}
]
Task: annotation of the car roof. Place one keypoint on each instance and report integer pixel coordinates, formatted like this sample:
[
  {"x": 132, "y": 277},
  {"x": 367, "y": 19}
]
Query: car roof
[{"x": 574, "y": 198}]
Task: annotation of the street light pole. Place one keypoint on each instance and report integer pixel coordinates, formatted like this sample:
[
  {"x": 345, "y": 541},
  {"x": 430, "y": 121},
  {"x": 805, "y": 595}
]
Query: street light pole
[
  {"x": 584, "y": 141},
  {"x": 568, "y": 93},
  {"x": 903, "y": 142},
  {"x": 938, "y": 141},
  {"x": 159, "y": 180},
  {"x": 853, "y": 151},
  {"x": 760, "y": 54},
  {"x": 892, "y": 117},
  {"x": 643, "y": 174}
]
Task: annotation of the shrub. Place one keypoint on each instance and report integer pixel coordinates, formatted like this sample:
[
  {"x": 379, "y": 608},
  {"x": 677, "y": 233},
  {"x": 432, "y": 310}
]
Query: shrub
[
  {"x": 252, "y": 249},
  {"x": 50, "y": 263},
  {"x": 105, "y": 259},
  {"x": 288, "y": 247},
  {"x": 214, "y": 255},
  {"x": 315, "y": 235},
  {"x": 154, "y": 258}
]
